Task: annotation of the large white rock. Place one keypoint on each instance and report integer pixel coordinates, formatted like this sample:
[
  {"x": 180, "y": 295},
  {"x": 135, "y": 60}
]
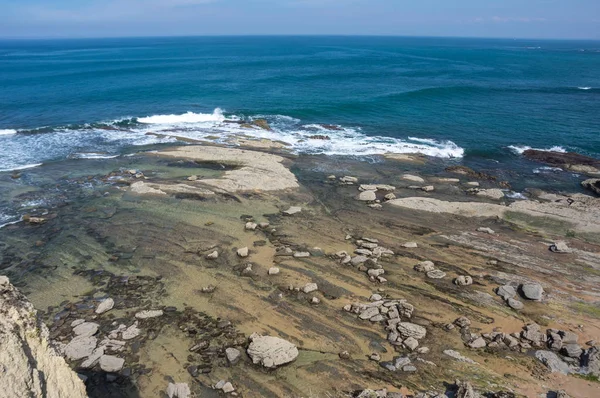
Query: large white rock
[
  {"x": 178, "y": 390},
  {"x": 407, "y": 329},
  {"x": 30, "y": 366},
  {"x": 110, "y": 363},
  {"x": 367, "y": 196},
  {"x": 80, "y": 347},
  {"x": 86, "y": 329},
  {"x": 105, "y": 305},
  {"x": 270, "y": 351}
]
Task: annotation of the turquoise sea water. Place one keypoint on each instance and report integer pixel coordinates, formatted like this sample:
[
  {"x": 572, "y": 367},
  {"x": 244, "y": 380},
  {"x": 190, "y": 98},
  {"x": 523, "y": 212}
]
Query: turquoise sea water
[{"x": 453, "y": 98}]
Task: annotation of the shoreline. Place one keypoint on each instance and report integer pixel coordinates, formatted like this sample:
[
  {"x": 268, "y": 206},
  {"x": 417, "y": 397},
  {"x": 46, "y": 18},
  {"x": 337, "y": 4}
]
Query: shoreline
[{"x": 155, "y": 220}]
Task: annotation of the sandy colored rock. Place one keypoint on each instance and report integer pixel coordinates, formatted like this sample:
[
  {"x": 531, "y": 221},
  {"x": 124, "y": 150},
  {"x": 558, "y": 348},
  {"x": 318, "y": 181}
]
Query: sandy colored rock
[
  {"x": 270, "y": 351},
  {"x": 254, "y": 170},
  {"x": 36, "y": 370}
]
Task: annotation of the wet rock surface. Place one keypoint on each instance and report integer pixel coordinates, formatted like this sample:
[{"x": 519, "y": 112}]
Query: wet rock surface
[{"x": 353, "y": 304}]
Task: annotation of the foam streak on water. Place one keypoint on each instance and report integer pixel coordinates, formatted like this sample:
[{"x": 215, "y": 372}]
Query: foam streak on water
[{"x": 108, "y": 140}]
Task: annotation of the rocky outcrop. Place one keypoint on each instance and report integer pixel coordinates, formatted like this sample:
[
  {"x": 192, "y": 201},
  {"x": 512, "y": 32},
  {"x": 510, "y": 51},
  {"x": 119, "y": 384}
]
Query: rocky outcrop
[
  {"x": 252, "y": 170},
  {"x": 29, "y": 365},
  {"x": 566, "y": 160},
  {"x": 593, "y": 184},
  {"x": 580, "y": 212}
]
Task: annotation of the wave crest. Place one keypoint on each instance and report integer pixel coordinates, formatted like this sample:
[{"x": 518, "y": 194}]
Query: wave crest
[{"x": 519, "y": 149}]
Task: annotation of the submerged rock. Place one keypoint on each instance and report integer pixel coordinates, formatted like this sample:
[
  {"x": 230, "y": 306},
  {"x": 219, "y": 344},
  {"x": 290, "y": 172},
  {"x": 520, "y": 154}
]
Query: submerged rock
[
  {"x": 148, "y": 314},
  {"x": 34, "y": 367},
  {"x": 270, "y": 351}
]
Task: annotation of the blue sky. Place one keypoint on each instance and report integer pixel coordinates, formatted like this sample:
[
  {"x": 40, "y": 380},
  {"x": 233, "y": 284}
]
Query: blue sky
[{"x": 572, "y": 19}]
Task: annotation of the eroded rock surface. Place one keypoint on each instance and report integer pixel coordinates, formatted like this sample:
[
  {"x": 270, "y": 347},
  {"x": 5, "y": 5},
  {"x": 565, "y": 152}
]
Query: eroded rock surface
[{"x": 29, "y": 365}]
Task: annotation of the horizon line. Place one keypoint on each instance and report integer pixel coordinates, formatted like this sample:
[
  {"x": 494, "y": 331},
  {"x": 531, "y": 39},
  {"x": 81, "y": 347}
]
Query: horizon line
[{"x": 24, "y": 38}]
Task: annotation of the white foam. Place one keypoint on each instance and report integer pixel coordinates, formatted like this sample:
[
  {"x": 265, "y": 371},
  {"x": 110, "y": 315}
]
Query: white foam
[
  {"x": 584, "y": 88},
  {"x": 189, "y": 117},
  {"x": 26, "y": 166},
  {"x": 519, "y": 149},
  {"x": 8, "y": 132},
  {"x": 93, "y": 155},
  {"x": 515, "y": 195},
  {"x": 545, "y": 169}
]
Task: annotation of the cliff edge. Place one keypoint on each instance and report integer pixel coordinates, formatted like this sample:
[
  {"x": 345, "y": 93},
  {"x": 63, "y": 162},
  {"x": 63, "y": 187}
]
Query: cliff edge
[{"x": 29, "y": 366}]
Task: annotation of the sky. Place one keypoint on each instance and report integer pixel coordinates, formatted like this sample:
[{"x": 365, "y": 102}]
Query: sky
[{"x": 566, "y": 19}]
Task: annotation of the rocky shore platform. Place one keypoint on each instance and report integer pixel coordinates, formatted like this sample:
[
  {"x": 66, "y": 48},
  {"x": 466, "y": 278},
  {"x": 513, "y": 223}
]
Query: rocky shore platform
[{"x": 206, "y": 271}]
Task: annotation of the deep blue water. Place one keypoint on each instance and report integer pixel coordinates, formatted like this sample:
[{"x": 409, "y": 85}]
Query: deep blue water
[{"x": 67, "y": 98}]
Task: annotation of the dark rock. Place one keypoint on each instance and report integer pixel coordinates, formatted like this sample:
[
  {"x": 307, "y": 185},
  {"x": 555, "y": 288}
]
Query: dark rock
[
  {"x": 569, "y": 160},
  {"x": 593, "y": 184}
]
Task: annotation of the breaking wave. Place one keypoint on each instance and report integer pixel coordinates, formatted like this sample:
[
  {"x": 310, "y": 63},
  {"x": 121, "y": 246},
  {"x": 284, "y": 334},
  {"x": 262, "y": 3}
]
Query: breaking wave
[
  {"x": 519, "y": 149},
  {"x": 108, "y": 139}
]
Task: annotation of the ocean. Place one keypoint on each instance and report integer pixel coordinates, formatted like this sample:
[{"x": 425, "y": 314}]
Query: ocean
[{"x": 443, "y": 97}]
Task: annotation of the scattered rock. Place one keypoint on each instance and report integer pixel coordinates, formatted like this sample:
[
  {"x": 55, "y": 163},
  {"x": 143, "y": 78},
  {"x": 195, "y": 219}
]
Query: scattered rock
[
  {"x": 148, "y": 314},
  {"x": 105, "y": 305},
  {"x": 410, "y": 245},
  {"x": 477, "y": 343},
  {"x": 80, "y": 347},
  {"x": 436, "y": 274},
  {"x": 486, "y": 230},
  {"x": 413, "y": 178},
  {"x": 506, "y": 292},
  {"x": 459, "y": 357},
  {"x": 515, "y": 304},
  {"x": 493, "y": 193},
  {"x": 86, "y": 329},
  {"x": 552, "y": 361},
  {"x": 273, "y": 271},
  {"x": 310, "y": 287},
  {"x": 532, "y": 291},
  {"x": 292, "y": 210},
  {"x": 301, "y": 254},
  {"x": 270, "y": 351},
  {"x": 213, "y": 255},
  {"x": 425, "y": 266},
  {"x": 233, "y": 355},
  {"x": 463, "y": 280},
  {"x": 427, "y": 188},
  {"x": 560, "y": 247},
  {"x": 110, "y": 363},
  {"x": 178, "y": 390},
  {"x": 411, "y": 343},
  {"x": 407, "y": 329},
  {"x": 243, "y": 252},
  {"x": 367, "y": 196},
  {"x": 251, "y": 226}
]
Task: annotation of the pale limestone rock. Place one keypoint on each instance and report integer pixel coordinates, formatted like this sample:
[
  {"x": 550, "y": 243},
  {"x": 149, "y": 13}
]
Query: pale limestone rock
[
  {"x": 243, "y": 252},
  {"x": 148, "y": 314},
  {"x": 270, "y": 351},
  {"x": 35, "y": 370},
  {"x": 105, "y": 305},
  {"x": 178, "y": 390},
  {"x": 110, "y": 363}
]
